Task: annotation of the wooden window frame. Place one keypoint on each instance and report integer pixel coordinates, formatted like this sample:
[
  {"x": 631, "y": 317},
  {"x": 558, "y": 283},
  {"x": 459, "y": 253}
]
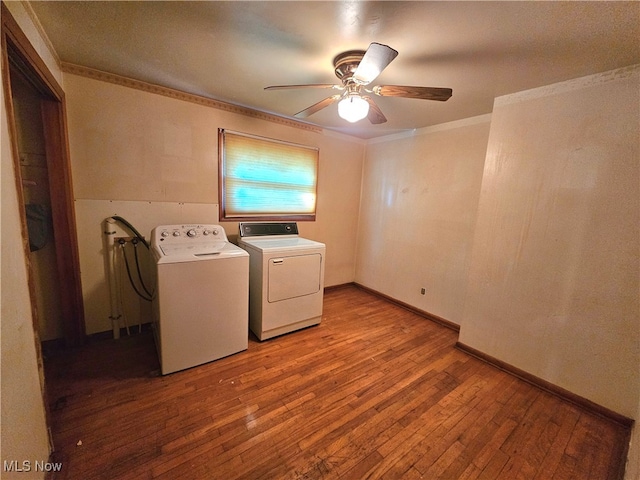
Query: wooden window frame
[{"x": 225, "y": 211}]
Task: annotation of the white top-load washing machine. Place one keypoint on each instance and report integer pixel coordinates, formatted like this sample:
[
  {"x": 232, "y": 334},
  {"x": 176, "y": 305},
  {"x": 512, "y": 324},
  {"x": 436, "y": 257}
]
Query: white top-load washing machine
[
  {"x": 200, "y": 308},
  {"x": 286, "y": 278}
]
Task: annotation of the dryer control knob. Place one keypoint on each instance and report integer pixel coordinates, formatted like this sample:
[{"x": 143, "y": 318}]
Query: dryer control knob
[
  {"x": 164, "y": 234},
  {"x": 215, "y": 231},
  {"x": 191, "y": 233},
  {"x": 206, "y": 232},
  {"x": 176, "y": 233}
]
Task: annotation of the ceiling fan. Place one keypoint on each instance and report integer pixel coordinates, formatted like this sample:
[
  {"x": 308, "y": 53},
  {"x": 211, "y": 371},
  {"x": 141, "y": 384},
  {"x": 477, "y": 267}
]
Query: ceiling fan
[{"x": 357, "y": 69}]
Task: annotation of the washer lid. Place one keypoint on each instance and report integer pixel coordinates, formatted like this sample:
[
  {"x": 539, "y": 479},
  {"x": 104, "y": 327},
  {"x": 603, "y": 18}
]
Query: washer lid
[
  {"x": 197, "y": 249},
  {"x": 197, "y": 252}
]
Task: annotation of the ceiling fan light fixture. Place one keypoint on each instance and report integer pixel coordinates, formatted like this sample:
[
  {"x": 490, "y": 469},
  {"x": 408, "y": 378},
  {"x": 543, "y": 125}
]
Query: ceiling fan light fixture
[
  {"x": 353, "y": 108},
  {"x": 357, "y": 68}
]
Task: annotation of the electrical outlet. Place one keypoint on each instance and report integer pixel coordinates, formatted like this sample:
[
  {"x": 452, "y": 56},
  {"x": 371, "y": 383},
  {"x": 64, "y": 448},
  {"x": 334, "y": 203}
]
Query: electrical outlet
[{"x": 423, "y": 291}]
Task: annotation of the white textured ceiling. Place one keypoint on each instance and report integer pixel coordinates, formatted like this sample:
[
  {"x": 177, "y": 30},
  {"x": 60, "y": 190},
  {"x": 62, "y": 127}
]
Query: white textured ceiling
[{"x": 231, "y": 50}]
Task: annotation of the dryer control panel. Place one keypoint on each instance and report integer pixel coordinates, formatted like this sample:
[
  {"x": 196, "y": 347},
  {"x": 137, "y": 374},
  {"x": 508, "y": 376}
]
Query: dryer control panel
[{"x": 268, "y": 229}]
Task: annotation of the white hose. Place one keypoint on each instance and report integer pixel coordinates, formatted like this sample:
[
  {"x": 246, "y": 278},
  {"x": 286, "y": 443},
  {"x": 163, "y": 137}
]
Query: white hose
[{"x": 110, "y": 251}]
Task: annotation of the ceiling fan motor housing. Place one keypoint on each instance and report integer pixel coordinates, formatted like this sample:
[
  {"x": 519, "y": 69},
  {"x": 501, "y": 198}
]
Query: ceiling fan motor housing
[{"x": 346, "y": 64}]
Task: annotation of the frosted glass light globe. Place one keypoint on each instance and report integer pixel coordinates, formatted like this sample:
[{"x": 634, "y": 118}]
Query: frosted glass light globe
[{"x": 353, "y": 108}]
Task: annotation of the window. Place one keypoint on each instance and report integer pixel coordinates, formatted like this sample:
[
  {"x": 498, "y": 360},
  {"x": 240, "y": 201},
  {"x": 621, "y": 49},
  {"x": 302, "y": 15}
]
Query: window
[{"x": 266, "y": 179}]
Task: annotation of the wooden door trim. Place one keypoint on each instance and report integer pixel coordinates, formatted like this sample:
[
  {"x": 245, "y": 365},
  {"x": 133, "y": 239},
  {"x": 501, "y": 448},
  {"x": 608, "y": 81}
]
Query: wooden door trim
[
  {"x": 12, "y": 31},
  {"x": 64, "y": 223}
]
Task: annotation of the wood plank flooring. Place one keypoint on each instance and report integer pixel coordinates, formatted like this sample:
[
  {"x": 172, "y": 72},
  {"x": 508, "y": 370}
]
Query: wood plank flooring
[{"x": 373, "y": 392}]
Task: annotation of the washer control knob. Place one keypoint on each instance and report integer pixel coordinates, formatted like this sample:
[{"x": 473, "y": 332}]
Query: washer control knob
[
  {"x": 164, "y": 234},
  {"x": 215, "y": 231},
  {"x": 206, "y": 231},
  {"x": 191, "y": 232},
  {"x": 176, "y": 233}
]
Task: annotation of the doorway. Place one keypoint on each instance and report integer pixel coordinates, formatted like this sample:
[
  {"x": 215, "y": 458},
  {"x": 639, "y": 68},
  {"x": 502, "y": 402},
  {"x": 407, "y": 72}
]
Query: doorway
[
  {"x": 36, "y": 193},
  {"x": 36, "y": 118}
]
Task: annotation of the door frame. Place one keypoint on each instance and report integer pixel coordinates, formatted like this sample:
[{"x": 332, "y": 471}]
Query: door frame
[{"x": 16, "y": 45}]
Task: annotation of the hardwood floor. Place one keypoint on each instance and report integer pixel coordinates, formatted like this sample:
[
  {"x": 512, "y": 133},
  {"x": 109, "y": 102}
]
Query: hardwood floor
[{"x": 374, "y": 391}]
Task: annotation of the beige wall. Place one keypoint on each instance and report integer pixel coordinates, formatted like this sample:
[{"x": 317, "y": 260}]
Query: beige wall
[
  {"x": 553, "y": 283},
  {"x": 24, "y": 429},
  {"x": 419, "y": 200},
  {"x": 128, "y": 145},
  {"x": 533, "y": 250}
]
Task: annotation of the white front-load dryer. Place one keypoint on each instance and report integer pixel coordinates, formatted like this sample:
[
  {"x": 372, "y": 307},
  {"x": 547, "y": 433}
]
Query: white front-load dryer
[
  {"x": 286, "y": 278},
  {"x": 200, "y": 309}
]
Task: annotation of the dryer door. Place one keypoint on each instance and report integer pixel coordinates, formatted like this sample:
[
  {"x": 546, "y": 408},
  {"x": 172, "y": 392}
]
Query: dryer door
[{"x": 294, "y": 276}]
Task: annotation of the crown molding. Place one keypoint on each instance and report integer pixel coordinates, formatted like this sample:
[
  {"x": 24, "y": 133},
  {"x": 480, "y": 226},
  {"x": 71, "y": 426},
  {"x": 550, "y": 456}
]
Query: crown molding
[
  {"x": 464, "y": 122},
  {"x": 596, "y": 79},
  {"x": 179, "y": 95}
]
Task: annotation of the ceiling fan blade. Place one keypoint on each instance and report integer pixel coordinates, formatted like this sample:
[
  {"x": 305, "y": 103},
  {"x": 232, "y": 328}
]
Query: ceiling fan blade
[
  {"x": 317, "y": 106},
  {"x": 375, "y": 59},
  {"x": 375, "y": 115},
  {"x": 310, "y": 85},
  {"x": 425, "y": 93}
]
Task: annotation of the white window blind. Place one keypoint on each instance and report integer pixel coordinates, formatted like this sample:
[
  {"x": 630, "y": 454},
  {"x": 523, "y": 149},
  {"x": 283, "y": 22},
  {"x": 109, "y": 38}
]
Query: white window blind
[{"x": 266, "y": 179}]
